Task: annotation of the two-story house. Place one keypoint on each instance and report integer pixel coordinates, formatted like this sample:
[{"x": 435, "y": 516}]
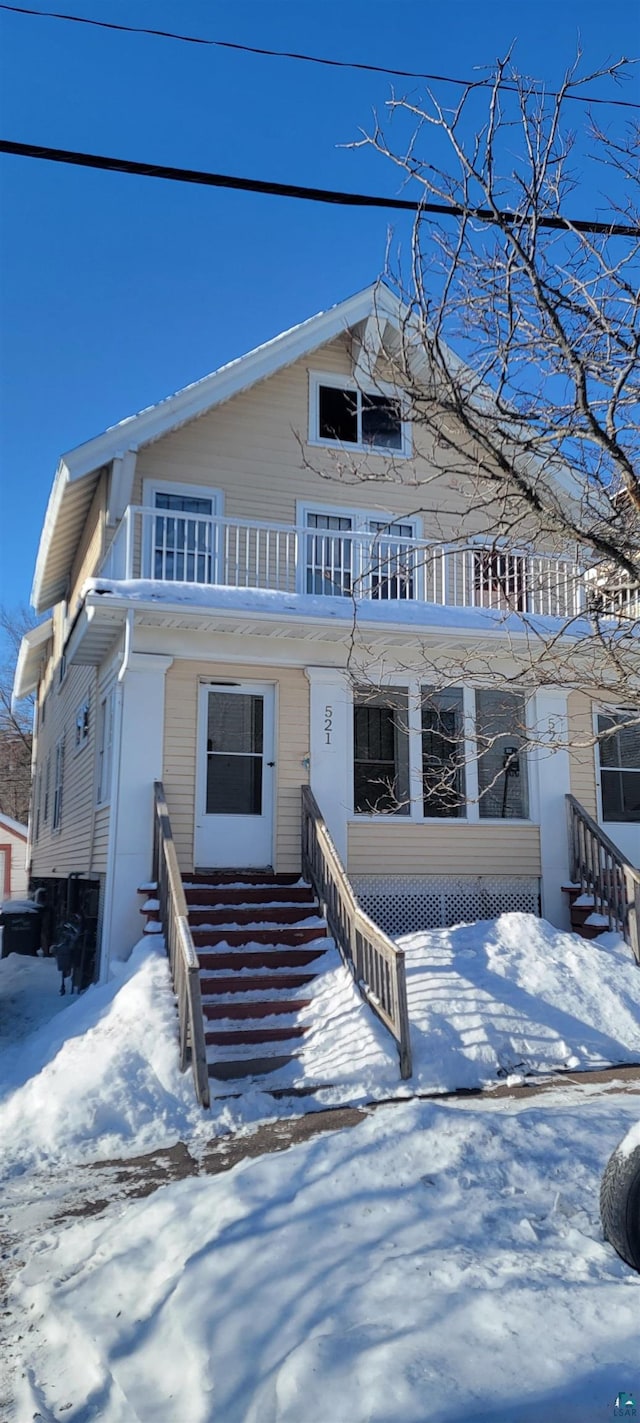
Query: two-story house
[{"x": 272, "y": 578}]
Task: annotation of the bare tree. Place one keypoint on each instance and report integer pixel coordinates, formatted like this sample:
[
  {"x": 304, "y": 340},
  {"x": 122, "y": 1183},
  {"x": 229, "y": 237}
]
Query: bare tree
[
  {"x": 15, "y": 722},
  {"x": 519, "y": 361}
]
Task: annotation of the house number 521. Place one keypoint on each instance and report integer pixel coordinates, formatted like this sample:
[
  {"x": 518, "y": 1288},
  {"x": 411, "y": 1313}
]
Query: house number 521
[{"x": 328, "y": 724}]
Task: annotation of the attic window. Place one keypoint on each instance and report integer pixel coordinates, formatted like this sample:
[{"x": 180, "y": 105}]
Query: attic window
[{"x": 368, "y": 420}]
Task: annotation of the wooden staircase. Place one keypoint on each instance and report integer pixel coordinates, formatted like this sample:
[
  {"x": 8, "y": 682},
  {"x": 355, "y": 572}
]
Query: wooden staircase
[
  {"x": 585, "y": 919},
  {"x": 260, "y": 941}
]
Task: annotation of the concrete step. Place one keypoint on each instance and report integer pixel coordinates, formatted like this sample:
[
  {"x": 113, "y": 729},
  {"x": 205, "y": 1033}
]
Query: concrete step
[{"x": 287, "y": 936}]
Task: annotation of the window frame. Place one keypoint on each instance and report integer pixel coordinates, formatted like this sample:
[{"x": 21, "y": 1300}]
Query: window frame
[
  {"x": 151, "y": 487},
  {"x": 58, "y": 785},
  {"x": 82, "y": 732},
  {"x": 381, "y": 388},
  {"x": 361, "y": 520},
  {"x": 470, "y": 809},
  {"x": 403, "y": 812},
  {"x": 611, "y": 712}
]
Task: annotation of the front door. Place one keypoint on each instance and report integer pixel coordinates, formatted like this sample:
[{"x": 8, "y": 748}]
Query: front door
[{"x": 235, "y": 776}]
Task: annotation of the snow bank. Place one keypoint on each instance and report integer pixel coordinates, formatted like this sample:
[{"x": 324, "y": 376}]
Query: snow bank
[
  {"x": 514, "y": 996},
  {"x": 101, "y": 1079},
  {"x": 436, "y": 1262}
]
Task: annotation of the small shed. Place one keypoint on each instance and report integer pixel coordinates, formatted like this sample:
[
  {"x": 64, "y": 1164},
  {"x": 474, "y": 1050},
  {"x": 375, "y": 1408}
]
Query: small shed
[{"x": 13, "y": 858}]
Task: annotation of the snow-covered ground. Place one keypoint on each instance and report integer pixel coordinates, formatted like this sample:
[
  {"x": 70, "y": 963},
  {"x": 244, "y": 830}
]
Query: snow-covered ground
[
  {"x": 438, "y": 1262},
  {"x": 491, "y": 1001}
]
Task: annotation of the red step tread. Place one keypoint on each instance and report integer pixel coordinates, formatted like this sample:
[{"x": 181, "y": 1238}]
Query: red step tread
[
  {"x": 246, "y": 983},
  {"x": 289, "y": 937},
  {"x": 254, "y": 1008},
  {"x": 219, "y": 895},
  {"x": 255, "y": 914},
  {"x": 236, "y": 1037},
  {"x": 258, "y": 958}
]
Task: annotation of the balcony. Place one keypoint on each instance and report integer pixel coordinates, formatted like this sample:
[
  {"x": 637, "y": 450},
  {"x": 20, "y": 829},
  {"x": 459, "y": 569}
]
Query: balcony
[{"x": 346, "y": 563}]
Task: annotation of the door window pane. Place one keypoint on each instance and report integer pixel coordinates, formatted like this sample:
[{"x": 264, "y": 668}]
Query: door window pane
[
  {"x": 619, "y": 749},
  {"x": 381, "y": 754},
  {"x": 235, "y": 745},
  {"x": 443, "y": 753},
  {"x": 381, "y": 422},
  {"x": 234, "y": 785},
  {"x": 338, "y": 414},
  {"x": 502, "y": 762},
  {"x": 329, "y": 555},
  {"x": 235, "y": 722}
]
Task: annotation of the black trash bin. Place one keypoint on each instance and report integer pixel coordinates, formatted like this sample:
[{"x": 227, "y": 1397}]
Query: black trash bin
[{"x": 21, "y": 921}]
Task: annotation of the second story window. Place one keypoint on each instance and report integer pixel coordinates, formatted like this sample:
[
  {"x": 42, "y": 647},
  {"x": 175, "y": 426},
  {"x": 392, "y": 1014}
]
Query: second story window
[{"x": 341, "y": 414}]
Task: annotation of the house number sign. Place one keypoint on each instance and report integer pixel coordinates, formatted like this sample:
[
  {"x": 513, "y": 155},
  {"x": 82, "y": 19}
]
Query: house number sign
[{"x": 328, "y": 725}]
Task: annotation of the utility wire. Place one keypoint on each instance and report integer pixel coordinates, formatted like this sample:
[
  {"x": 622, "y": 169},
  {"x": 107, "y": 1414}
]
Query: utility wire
[
  {"x": 313, "y": 195},
  {"x": 289, "y": 54}
]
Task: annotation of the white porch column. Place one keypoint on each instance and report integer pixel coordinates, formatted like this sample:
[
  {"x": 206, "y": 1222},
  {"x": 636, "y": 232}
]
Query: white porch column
[
  {"x": 552, "y": 757},
  {"x": 138, "y": 755},
  {"x": 330, "y": 751}
]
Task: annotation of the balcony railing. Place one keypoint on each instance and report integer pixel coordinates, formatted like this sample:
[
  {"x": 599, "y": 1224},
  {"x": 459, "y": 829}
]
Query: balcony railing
[{"x": 381, "y": 565}]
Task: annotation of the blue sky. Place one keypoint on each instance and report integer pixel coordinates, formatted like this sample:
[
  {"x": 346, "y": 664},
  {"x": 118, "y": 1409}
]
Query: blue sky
[{"x": 117, "y": 290}]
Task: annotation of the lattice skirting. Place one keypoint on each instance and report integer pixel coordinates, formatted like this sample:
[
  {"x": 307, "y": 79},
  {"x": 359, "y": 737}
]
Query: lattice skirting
[{"x": 404, "y": 904}]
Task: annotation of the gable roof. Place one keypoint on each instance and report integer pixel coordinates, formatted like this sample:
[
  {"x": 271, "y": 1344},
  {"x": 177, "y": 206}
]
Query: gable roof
[
  {"x": 79, "y": 470},
  {"x": 15, "y": 827}
]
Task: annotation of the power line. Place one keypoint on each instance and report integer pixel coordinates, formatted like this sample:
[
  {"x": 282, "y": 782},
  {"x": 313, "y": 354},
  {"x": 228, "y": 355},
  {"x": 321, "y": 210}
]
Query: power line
[
  {"x": 292, "y": 54},
  {"x": 313, "y": 195}
]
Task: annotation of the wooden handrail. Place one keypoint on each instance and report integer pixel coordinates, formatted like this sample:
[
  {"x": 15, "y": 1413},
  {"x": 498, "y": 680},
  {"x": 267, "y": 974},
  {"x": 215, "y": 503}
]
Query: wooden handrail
[
  {"x": 603, "y": 871},
  {"x": 376, "y": 963},
  {"x": 183, "y": 959}
]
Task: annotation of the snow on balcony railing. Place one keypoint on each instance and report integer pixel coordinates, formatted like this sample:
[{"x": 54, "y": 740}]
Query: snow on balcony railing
[{"x": 381, "y": 565}]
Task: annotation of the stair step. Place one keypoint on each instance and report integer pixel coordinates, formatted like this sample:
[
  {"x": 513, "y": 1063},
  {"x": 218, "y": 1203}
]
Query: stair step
[
  {"x": 248, "y": 982},
  {"x": 273, "y": 958},
  {"x": 239, "y": 877},
  {"x": 251, "y": 1033},
  {"x": 256, "y": 914},
  {"x": 217, "y": 895},
  {"x": 286, "y": 936},
  {"x": 254, "y": 1007},
  {"x": 232, "y": 1068}
]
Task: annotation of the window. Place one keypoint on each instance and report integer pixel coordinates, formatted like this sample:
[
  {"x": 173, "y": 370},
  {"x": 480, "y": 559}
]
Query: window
[
  {"x": 36, "y": 831},
  {"x": 381, "y": 753},
  {"x": 105, "y": 748},
  {"x": 619, "y": 748},
  {"x": 183, "y": 546},
  {"x": 58, "y": 785},
  {"x": 82, "y": 725},
  {"x": 502, "y": 766},
  {"x": 47, "y": 781},
  {"x": 349, "y": 554},
  {"x": 392, "y": 562},
  {"x": 329, "y": 555},
  {"x": 368, "y": 420},
  {"x": 443, "y": 753},
  {"x": 499, "y": 580}
]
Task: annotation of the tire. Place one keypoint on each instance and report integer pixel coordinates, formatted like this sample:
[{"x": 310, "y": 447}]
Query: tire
[{"x": 620, "y": 1205}]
